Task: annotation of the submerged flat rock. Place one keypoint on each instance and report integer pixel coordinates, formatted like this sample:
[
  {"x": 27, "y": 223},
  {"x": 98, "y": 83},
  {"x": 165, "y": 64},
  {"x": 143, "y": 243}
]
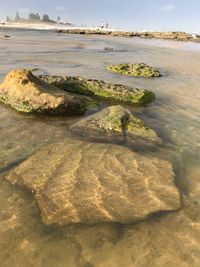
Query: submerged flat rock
[
  {"x": 27, "y": 93},
  {"x": 136, "y": 70},
  {"x": 81, "y": 182},
  {"x": 101, "y": 89},
  {"x": 116, "y": 121}
]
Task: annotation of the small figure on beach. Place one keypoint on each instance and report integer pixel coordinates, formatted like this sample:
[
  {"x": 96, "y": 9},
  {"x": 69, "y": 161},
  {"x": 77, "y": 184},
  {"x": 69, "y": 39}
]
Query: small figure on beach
[{"x": 104, "y": 25}]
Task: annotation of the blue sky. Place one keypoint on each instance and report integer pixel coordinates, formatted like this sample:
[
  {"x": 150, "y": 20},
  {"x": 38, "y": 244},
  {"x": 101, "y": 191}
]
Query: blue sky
[{"x": 127, "y": 14}]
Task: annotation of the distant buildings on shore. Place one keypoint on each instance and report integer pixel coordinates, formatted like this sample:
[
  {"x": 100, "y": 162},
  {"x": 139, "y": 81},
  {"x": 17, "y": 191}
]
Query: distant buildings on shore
[{"x": 36, "y": 17}]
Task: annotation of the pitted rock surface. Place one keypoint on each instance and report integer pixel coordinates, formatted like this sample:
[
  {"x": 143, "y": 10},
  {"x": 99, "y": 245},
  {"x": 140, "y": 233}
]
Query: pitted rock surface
[
  {"x": 27, "y": 93},
  {"x": 116, "y": 122},
  {"x": 80, "y": 182},
  {"x": 101, "y": 90}
]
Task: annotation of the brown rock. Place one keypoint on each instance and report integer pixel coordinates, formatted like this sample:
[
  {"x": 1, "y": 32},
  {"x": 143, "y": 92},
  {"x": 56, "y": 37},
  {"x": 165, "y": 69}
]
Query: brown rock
[
  {"x": 80, "y": 182},
  {"x": 116, "y": 123},
  {"x": 178, "y": 36},
  {"x": 27, "y": 93},
  {"x": 101, "y": 89}
]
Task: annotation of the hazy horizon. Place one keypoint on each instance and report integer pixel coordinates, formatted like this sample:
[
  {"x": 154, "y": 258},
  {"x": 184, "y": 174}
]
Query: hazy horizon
[{"x": 159, "y": 15}]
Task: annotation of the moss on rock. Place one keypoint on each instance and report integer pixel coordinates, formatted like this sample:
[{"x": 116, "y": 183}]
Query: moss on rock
[
  {"x": 101, "y": 89},
  {"x": 116, "y": 121},
  {"x": 27, "y": 93},
  {"x": 136, "y": 70}
]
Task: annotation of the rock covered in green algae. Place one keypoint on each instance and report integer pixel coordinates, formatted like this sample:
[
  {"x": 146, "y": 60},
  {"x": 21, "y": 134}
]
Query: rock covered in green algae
[
  {"x": 136, "y": 70},
  {"x": 101, "y": 89},
  {"x": 27, "y": 93},
  {"x": 116, "y": 121},
  {"x": 82, "y": 182}
]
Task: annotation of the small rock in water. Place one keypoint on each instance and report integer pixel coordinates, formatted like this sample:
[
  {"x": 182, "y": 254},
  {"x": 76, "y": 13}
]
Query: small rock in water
[
  {"x": 136, "y": 70},
  {"x": 35, "y": 69},
  {"x": 116, "y": 121},
  {"x": 108, "y": 49}
]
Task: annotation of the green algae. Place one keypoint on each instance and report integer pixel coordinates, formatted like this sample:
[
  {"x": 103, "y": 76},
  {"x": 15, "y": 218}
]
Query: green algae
[
  {"x": 101, "y": 89},
  {"x": 136, "y": 70},
  {"x": 22, "y": 106},
  {"x": 119, "y": 119},
  {"x": 26, "y": 93},
  {"x": 116, "y": 122}
]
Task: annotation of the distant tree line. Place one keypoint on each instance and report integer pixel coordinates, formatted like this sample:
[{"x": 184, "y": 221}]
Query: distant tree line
[{"x": 31, "y": 17}]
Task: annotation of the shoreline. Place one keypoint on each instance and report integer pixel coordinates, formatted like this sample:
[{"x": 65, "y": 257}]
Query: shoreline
[
  {"x": 33, "y": 26},
  {"x": 45, "y": 26},
  {"x": 67, "y": 29}
]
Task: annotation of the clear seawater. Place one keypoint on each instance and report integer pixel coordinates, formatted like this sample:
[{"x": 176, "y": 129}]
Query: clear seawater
[{"x": 168, "y": 239}]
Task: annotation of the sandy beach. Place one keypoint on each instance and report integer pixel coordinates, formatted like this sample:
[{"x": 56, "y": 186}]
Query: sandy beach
[
  {"x": 45, "y": 26},
  {"x": 72, "y": 29}
]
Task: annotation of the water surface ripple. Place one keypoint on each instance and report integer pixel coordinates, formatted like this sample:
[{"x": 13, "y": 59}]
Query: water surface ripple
[{"x": 170, "y": 239}]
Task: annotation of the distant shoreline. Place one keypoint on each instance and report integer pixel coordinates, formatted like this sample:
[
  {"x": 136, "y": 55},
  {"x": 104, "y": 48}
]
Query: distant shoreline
[
  {"x": 68, "y": 29},
  {"x": 34, "y": 26},
  {"x": 175, "y": 36}
]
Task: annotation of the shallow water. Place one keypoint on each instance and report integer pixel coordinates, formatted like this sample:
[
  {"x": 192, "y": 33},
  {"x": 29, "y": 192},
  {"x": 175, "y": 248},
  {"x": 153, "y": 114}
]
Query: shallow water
[{"x": 170, "y": 239}]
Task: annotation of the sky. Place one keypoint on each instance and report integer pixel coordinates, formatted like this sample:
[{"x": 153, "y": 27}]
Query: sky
[{"x": 161, "y": 15}]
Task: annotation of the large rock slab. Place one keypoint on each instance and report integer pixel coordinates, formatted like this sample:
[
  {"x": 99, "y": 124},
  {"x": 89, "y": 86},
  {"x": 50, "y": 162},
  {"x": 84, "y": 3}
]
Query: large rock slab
[
  {"x": 27, "y": 93},
  {"x": 80, "y": 182},
  {"x": 101, "y": 89},
  {"x": 116, "y": 121}
]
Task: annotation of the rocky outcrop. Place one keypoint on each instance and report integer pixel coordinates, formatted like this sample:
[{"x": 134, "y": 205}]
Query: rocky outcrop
[
  {"x": 85, "y": 31},
  {"x": 101, "y": 89},
  {"x": 116, "y": 123},
  {"x": 136, "y": 70},
  {"x": 80, "y": 182},
  {"x": 108, "y": 49},
  {"x": 177, "y": 36},
  {"x": 27, "y": 93}
]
